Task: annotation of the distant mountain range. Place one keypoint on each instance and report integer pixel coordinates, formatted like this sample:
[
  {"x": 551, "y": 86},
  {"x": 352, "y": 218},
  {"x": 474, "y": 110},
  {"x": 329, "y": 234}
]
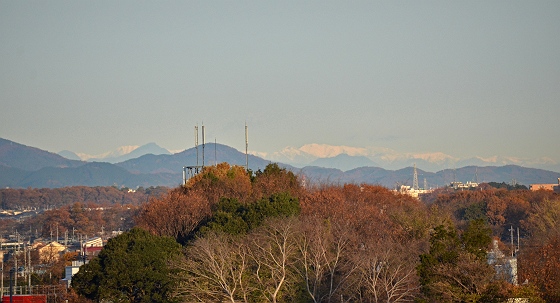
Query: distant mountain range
[
  {"x": 23, "y": 166},
  {"x": 340, "y": 157},
  {"x": 121, "y": 154},
  {"x": 347, "y": 158}
]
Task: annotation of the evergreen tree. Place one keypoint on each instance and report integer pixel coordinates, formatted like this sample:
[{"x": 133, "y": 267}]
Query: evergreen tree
[
  {"x": 455, "y": 268},
  {"x": 132, "y": 267}
]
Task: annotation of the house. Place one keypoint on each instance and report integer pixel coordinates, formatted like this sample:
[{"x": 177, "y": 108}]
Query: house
[
  {"x": 93, "y": 242},
  {"x": 51, "y": 252},
  {"x": 70, "y": 271}
]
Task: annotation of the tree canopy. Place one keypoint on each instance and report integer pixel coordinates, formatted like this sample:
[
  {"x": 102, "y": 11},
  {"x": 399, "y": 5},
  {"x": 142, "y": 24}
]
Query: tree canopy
[{"x": 132, "y": 267}]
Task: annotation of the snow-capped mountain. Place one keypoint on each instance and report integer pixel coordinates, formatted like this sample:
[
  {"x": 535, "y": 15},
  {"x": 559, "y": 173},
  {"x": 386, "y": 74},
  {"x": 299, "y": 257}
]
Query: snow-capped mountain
[
  {"x": 329, "y": 156},
  {"x": 121, "y": 154},
  {"x": 340, "y": 157}
]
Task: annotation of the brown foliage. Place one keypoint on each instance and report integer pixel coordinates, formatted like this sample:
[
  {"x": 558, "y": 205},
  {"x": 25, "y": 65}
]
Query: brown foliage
[
  {"x": 539, "y": 264},
  {"x": 175, "y": 215},
  {"x": 370, "y": 210},
  {"x": 275, "y": 180},
  {"x": 222, "y": 180}
]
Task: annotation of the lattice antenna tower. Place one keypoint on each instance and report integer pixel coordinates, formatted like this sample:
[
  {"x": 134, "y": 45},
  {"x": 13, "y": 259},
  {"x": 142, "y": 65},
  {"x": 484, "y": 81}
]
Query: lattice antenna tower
[{"x": 415, "y": 180}]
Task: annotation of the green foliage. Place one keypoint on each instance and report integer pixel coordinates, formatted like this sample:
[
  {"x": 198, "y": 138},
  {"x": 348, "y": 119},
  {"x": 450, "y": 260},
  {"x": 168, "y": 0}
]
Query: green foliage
[
  {"x": 455, "y": 268},
  {"x": 277, "y": 205},
  {"x": 508, "y": 186},
  {"x": 232, "y": 217},
  {"x": 444, "y": 244},
  {"x": 475, "y": 211},
  {"x": 132, "y": 267},
  {"x": 476, "y": 238},
  {"x": 212, "y": 177}
]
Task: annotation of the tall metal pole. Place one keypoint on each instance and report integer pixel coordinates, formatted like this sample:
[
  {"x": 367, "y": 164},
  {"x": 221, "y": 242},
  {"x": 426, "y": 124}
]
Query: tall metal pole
[
  {"x": 203, "y": 145},
  {"x": 29, "y": 270},
  {"x": 2, "y": 283},
  {"x": 511, "y": 237},
  {"x": 246, "y": 147},
  {"x": 517, "y": 239},
  {"x": 196, "y": 143},
  {"x": 12, "y": 284},
  {"x": 15, "y": 267}
]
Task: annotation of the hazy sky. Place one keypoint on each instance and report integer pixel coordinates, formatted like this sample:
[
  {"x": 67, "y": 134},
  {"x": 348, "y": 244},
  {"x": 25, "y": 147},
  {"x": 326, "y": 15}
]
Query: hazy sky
[{"x": 467, "y": 78}]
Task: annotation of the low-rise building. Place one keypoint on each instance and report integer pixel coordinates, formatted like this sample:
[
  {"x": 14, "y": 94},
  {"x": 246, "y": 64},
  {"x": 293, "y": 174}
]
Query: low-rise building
[
  {"x": 70, "y": 271},
  {"x": 51, "y": 252},
  {"x": 551, "y": 187}
]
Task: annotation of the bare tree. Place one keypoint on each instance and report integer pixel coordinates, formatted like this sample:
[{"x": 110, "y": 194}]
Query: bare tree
[
  {"x": 464, "y": 281},
  {"x": 215, "y": 270},
  {"x": 325, "y": 266},
  {"x": 386, "y": 277},
  {"x": 273, "y": 251}
]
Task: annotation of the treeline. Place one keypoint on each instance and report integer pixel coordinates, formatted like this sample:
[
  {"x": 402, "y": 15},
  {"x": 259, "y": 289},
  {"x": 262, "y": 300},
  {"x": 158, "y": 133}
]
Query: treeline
[
  {"x": 46, "y": 198},
  {"x": 72, "y": 211},
  {"x": 267, "y": 237}
]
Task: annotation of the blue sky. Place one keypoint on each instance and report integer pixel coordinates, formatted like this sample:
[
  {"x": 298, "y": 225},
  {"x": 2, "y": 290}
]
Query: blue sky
[{"x": 466, "y": 78}]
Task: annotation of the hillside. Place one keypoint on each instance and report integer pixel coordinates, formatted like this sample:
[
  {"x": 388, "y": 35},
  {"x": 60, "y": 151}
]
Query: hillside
[
  {"x": 90, "y": 174},
  {"x": 214, "y": 153},
  {"x": 28, "y": 158}
]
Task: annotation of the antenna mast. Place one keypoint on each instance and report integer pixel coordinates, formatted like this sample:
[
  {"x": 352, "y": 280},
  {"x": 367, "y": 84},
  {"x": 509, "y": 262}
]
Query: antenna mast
[
  {"x": 196, "y": 142},
  {"x": 202, "y": 144},
  {"x": 246, "y": 147}
]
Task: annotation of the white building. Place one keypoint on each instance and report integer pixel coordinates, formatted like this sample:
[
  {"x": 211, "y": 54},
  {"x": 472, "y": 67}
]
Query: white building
[{"x": 505, "y": 267}]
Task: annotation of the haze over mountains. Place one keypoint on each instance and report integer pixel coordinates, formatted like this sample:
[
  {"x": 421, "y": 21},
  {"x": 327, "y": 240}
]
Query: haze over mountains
[
  {"x": 340, "y": 157},
  {"x": 121, "y": 154},
  {"x": 151, "y": 165},
  {"x": 354, "y": 157}
]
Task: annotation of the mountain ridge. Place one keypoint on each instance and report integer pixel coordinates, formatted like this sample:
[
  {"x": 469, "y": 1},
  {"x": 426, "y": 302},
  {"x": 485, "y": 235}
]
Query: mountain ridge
[
  {"x": 391, "y": 159},
  {"x": 120, "y": 154},
  {"x": 166, "y": 170}
]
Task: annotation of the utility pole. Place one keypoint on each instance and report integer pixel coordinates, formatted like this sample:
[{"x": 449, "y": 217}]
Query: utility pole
[
  {"x": 2, "y": 282},
  {"x": 15, "y": 269},
  {"x": 517, "y": 240},
  {"x": 511, "y": 237},
  {"x": 11, "y": 284},
  {"x": 29, "y": 270}
]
